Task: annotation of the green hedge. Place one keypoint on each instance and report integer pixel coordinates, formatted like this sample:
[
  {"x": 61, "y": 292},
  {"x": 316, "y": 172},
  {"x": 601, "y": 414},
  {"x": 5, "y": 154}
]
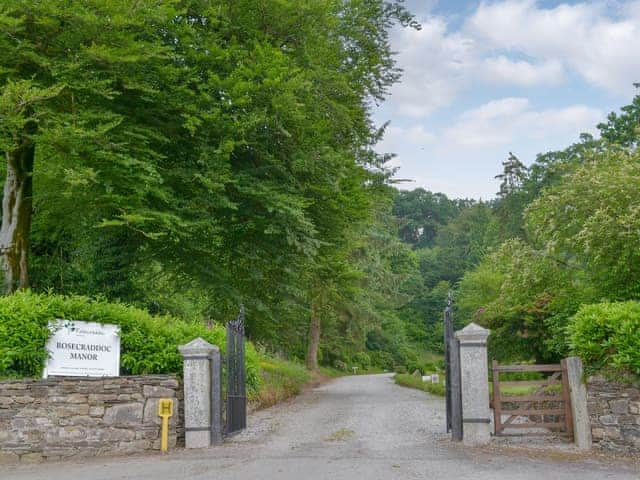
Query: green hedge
[
  {"x": 607, "y": 335},
  {"x": 149, "y": 344}
]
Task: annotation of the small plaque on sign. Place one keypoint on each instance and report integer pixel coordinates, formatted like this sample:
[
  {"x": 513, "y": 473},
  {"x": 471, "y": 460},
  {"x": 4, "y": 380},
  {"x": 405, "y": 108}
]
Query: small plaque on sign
[{"x": 83, "y": 349}]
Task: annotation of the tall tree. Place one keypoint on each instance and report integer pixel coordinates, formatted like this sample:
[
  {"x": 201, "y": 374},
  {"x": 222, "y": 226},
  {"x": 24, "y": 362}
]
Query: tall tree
[{"x": 71, "y": 76}]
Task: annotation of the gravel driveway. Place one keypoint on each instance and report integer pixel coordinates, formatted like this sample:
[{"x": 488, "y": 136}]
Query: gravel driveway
[{"x": 359, "y": 427}]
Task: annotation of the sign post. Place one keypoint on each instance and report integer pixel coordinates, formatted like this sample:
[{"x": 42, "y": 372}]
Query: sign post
[{"x": 83, "y": 349}]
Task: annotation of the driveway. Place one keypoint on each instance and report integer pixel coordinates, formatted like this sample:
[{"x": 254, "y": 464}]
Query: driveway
[{"x": 357, "y": 427}]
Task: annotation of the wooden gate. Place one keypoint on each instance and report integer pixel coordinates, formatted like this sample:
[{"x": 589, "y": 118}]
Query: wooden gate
[{"x": 546, "y": 410}]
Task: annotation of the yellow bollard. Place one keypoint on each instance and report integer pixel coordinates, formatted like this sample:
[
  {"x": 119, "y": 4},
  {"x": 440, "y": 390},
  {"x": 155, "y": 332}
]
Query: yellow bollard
[{"x": 165, "y": 410}]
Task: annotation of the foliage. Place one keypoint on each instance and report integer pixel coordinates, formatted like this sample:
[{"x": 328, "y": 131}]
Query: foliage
[
  {"x": 569, "y": 238},
  {"x": 192, "y": 155},
  {"x": 608, "y": 335},
  {"x": 526, "y": 298},
  {"x": 422, "y": 215},
  {"x": 592, "y": 218},
  {"x": 149, "y": 344}
]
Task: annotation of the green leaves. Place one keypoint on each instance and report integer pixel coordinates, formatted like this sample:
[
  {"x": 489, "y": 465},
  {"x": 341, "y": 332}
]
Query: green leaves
[
  {"x": 192, "y": 155},
  {"x": 149, "y": 344},
  {"x": 607, "y": 335},
  {"x": 594, "y": 217}
]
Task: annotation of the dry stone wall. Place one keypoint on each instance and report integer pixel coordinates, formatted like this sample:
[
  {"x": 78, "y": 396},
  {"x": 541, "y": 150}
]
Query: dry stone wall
[
  {"x": 65, "y": 417},
  {"x": 614, "y": 410}
]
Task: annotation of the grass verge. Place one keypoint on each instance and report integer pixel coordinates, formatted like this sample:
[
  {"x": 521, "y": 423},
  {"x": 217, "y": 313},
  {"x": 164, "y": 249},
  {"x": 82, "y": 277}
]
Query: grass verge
[
  {"x": 280, "y": 380},
  {"x": 406, "y": 380},
  {"x": 284, "y": 379}
]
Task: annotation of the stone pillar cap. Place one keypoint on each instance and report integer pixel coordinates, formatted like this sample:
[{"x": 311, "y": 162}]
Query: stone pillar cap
[
  {"x": 472, "y": 333},
  {"x": 197, "y": 347}
]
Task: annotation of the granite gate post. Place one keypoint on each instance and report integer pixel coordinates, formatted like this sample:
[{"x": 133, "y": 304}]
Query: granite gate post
[
  {"x": 579, "y": 411},
  {"x": 474, "y": 369},
  {"x": 202, "y": 386}
]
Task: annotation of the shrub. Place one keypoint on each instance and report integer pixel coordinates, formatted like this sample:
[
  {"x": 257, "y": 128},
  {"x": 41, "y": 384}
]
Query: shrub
[
  {"x": 340, "y": 365},
  {"x": 362, "y": 360},
  {"x": 401, "y": 369},
  {"x": 607, "y": 334},
  {"x": 382, "y": 359},
  {"x": 149, "y": 344}
]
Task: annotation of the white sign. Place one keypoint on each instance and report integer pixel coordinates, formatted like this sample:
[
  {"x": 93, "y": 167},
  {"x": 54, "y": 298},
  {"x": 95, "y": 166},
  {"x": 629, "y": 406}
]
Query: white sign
[{"x": 83, "y": 349}]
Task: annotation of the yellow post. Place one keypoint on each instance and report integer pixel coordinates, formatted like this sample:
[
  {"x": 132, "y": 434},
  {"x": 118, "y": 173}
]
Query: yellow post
[{"x": 165, "y": 410}]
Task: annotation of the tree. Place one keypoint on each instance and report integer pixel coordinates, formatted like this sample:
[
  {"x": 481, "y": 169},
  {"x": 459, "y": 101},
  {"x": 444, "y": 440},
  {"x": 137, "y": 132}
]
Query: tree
[
  {"x": 593, "y": 217},
  {"x": 512, "y": 197},
  {"x": 422, "y": 214},
  {"x": 192, "y": 155},
  {"x": 71, "y": 75},
  {"x": 623, "y": 129}
]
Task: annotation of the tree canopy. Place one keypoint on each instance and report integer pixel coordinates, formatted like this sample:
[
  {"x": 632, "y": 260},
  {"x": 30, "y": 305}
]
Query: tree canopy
[{"x": 187, "y": 156}]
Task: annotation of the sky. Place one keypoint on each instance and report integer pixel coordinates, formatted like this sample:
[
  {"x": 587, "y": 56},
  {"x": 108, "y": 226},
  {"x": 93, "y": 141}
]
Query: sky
[{"x": 485, "y": 78}]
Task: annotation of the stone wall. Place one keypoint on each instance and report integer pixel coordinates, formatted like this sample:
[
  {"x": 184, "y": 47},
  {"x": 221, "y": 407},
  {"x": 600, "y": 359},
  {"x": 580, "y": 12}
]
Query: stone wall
[
  {"x": 614, "y": 410},
  {"x": 64, "y": 417}
]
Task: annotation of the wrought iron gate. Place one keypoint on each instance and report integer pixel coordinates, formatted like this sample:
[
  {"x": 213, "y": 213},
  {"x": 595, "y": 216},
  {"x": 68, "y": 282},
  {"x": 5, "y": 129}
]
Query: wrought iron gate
[
  {"x": 236, "y": 388},
  {"x": 453, "y": 387}
]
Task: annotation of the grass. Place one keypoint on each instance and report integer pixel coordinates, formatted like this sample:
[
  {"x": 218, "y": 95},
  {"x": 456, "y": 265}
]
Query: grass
[
  {"x": 280, "y": 380},
  {"x": 368, "y": 371},
  {"x": 332, "y": 372},
  {"x": 341, "y": 435},
  {"x": 522, "y": 390},
  {"x": 406, "y": 380}
]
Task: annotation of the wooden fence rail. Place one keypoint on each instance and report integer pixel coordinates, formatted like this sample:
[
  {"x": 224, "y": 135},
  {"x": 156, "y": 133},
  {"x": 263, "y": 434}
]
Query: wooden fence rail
[{"x": 541, "y": 408}]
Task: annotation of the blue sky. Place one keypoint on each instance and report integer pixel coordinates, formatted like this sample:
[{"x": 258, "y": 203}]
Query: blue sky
[{"x": 483, "y": 78}]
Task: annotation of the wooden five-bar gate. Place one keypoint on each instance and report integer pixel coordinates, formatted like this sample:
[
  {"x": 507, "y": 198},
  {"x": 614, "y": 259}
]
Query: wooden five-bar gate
[{"x": 544, "y": 411}]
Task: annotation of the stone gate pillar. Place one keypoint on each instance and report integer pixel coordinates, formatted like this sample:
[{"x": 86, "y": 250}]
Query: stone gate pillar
[
  {"x": 474, "y": 369},
  {"x": 200, "y": 375},
  {"x": 579, "y": 409}
]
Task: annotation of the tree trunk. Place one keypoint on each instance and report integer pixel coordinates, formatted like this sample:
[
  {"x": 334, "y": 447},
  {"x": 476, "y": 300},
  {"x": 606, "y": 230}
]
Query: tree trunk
[
  {"x": 314, "y": 337},
  {"x": 17, "y": 203}
]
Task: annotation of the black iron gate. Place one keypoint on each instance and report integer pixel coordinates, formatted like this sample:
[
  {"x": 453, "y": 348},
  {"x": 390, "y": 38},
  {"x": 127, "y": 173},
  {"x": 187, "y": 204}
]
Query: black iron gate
[
  {"x": 236, "y": 390},
  {"x": 453, "y": 386}
]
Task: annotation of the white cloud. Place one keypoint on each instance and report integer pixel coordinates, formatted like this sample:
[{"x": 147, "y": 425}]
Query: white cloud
[
  {"x": 518, "y": 43},
  {"x": 510, "y": 47},
  {"x": 510, "y": 121},
  {"x": 437, "y": 64},
  {"x": 586, "y": 37},
  {"x": 522, "y": 73}
]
